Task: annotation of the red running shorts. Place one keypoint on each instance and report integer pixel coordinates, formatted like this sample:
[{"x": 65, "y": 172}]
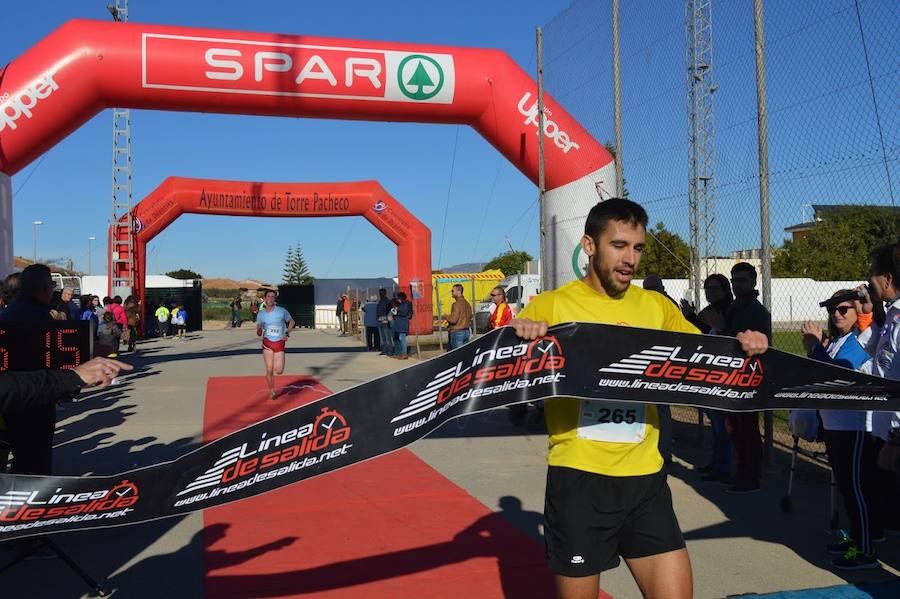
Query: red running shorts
[{"x": 275, "y": 346}]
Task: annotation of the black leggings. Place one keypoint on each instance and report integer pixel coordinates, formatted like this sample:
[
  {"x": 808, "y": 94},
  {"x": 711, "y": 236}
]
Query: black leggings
[{"x": 853, "y": 457}]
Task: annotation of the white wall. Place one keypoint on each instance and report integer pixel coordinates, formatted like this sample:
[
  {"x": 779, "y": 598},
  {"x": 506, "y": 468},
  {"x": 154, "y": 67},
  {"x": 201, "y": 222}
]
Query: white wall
[
  {"x": 96, "y": 284},
  {"x": 793, "y": 300}
]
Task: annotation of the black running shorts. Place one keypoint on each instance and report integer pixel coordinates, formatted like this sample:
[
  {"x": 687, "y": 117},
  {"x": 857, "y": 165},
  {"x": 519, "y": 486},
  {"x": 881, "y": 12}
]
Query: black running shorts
[{"x": 592, "y": 519}]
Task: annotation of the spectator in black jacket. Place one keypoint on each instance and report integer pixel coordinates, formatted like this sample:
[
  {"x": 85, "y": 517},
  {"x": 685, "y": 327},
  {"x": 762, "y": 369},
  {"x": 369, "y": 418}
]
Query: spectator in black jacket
[
  {"x": 31, "y": 430},
  {"x": 746, "y": 313}
]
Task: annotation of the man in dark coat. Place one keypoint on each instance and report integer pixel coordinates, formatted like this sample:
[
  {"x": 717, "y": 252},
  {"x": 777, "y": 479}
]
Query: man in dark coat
[{"x": 746, "y": 313}]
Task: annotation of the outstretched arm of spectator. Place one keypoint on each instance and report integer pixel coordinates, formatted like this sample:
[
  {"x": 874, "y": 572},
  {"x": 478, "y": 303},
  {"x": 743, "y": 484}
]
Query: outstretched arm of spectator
[{"x": 22, "y": 390}]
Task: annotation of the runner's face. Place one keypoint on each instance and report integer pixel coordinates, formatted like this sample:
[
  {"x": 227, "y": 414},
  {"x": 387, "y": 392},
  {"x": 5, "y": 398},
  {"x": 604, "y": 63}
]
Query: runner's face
[
  {"x": 270, "y": 299},
  {"x": 615, "y": 256}
]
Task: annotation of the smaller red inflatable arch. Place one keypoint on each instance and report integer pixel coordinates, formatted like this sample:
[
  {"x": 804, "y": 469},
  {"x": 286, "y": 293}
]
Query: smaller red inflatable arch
[{"x": 177, "y": 196}]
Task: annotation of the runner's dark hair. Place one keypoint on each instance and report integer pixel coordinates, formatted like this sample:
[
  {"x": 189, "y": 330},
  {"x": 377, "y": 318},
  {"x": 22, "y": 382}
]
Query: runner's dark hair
[{"x": 617, "y": 209}]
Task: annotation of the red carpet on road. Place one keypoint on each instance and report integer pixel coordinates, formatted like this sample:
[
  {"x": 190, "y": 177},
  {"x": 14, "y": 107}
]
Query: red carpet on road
[{"x": 390, "y": 527}]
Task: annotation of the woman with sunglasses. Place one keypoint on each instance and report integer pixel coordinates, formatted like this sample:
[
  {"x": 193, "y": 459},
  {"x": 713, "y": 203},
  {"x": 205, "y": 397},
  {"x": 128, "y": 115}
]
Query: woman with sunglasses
[{"x": 851, "y": 450}]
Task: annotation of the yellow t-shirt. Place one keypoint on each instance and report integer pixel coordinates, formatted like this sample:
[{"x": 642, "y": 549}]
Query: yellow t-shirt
[{"x": 598, "y": 437}]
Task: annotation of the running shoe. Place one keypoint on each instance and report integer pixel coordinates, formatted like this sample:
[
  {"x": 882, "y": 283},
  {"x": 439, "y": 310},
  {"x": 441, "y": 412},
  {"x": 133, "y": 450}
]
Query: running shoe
[
  {"x": 518, "y": 414},
  {"x": 842, "y": 546},
  {"x": 743, "y": 487},
  {"x": 854, "y": 559}
]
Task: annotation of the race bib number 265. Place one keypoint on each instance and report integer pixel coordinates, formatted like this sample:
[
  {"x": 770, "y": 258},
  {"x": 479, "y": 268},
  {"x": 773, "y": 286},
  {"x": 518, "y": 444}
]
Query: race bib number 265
[{"x": 612, "y": 421}]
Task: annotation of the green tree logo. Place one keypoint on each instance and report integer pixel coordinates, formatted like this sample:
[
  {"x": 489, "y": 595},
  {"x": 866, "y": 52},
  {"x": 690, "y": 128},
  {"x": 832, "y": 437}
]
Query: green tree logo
[{"x": 416, "y": 76}]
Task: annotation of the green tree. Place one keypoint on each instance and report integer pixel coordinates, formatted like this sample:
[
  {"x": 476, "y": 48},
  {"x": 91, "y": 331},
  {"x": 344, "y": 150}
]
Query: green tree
[
  {"x": 184, "y": 274},
  {"x": 296, "y": 272},
  {"x": 665, "y": 254},
  {"x": 420, "y": 78},
  {"x": 837, "y": 247},
  {"x": 509, "y": 262}
]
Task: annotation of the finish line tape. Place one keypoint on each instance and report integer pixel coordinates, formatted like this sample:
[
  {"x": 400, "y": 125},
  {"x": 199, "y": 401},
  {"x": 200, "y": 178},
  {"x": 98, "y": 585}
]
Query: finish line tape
[{"x": 586, "y": 361}]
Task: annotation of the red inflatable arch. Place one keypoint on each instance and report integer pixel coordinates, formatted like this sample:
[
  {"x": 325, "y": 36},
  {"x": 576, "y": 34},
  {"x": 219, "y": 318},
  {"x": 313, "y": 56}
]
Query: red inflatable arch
[
  {"x": 177, "y": 196},
  {"x": 86, "y": 66}
]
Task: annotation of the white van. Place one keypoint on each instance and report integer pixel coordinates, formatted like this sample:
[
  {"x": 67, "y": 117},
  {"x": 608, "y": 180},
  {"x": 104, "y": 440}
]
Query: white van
[
  {"x": 63, "y": 281},
  {"x": 520, "y": 289}
]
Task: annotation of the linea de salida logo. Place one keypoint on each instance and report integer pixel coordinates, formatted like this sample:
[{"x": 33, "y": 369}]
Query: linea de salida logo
[
  {"x": 491, "y": 371},
  {"x": 674, "y": 363},
  {"x": 313, "y": 443},
  {"x": 29, "y": 506}
]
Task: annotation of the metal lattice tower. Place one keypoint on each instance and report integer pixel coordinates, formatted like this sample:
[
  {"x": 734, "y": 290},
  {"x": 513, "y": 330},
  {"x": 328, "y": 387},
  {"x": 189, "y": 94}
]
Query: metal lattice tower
[
  {"x": 701, "y": 128},
  {"x": 122, "y": 251}
]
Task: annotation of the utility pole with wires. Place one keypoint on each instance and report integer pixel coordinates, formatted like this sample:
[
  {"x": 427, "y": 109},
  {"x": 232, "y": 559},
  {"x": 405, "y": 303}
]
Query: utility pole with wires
[
  {"x": 701, "y": 126},
  {"x": 548, "y": 270},
  {"x": 617, "y": 101},
  {"x": 121, "y": 227}
]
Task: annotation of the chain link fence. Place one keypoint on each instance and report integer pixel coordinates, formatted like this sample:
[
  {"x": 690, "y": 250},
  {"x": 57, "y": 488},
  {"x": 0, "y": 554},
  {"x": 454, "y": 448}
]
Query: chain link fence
[{"x": 832, "y": 86}]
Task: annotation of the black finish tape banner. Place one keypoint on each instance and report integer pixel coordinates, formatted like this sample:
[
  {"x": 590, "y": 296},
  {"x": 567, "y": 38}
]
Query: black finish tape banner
[{"x": 587, "y": 361}]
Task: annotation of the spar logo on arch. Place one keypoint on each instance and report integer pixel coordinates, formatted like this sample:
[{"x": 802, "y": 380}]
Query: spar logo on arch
[
  {"x": 420, "y": 77},
  {"x": 239, "y": 66}
]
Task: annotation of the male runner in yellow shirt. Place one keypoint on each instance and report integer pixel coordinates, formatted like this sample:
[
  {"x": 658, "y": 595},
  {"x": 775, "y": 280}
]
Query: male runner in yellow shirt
[{"x": 606, "y": 491}]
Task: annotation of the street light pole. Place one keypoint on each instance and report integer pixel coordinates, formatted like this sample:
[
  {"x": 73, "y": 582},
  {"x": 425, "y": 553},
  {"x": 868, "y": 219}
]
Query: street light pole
[
  {"x": 90, "y": 254},
  {"x": 34, "y": 226}
]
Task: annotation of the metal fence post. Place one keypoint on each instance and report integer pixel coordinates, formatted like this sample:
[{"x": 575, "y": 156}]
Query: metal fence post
[
  {"x": 440, "y": 330},
  {"x": 474, "y": 299},
  {"x": 764, "y": 226}
]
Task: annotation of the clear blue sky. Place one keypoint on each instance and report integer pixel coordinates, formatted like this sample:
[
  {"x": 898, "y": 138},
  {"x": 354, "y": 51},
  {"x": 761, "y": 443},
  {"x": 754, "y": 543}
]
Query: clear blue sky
[{"x": 70, "y": 189}]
